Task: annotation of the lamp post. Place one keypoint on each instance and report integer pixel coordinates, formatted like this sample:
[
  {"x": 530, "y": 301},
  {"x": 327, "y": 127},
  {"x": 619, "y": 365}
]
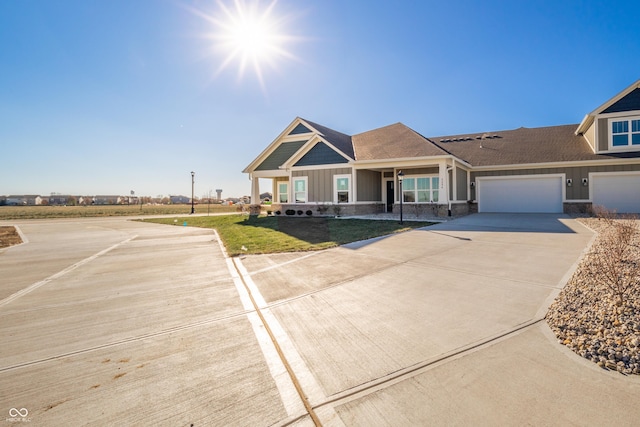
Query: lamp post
[
  {"x": 193, "y": 174},
  {"x": 400, "y": 177}
]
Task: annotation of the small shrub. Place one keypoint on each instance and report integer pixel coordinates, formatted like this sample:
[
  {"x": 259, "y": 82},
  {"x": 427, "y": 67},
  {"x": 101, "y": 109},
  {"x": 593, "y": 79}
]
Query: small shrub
[
  {"x": 309, "y": 212},
  {"x": 322, "y": 209},
  {"x": 278, "y": 213},
  {"x": 290, "y": 212},
  {"x": 614, "y": 261},
  {"x": 299, "y": 212},
  {"x": 269, "y": 213}
]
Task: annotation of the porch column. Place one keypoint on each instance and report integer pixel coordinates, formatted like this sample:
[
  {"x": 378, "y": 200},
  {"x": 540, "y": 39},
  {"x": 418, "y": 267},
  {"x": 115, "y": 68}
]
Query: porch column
[
  {"x": 444, "y": 183},
  {"x": 255, "y": 191},
  {"x": 454, "y": 181}
]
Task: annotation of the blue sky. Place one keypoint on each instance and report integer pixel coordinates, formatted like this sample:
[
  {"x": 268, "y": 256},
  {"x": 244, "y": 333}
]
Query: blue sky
[{"x": 108, "y": 96}]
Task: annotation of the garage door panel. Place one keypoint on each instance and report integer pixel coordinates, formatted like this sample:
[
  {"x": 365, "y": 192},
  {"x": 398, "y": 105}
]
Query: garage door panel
[
  {"x": 619, "y": 192},
  {"x": 520, "y": 195}
]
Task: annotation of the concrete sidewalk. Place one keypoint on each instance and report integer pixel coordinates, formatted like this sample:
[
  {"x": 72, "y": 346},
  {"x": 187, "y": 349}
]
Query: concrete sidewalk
[
  {"x": 113, "y": 322},
  {"x": 125, "y": 323}
]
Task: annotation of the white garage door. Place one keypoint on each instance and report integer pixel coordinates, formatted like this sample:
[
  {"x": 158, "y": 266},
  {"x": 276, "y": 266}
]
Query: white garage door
[
  {"x": 619, "y": 192},
  {"x": 540, "y": 194}
]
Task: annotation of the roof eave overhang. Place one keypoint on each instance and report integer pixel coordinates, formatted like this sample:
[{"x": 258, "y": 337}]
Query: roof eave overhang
[
  {"x": 572, "y": 163},
  {"x": 585, "y": 124},
  {"x": 406, "y": 161},
  {"x": 284, "y": 134}
]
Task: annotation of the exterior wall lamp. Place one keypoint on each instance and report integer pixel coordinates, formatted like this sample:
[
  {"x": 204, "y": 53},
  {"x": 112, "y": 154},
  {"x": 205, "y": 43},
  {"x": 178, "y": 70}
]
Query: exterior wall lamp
[
  {"x": 400, "y": 178},
  {"x": 569, "y": 182},
  {"x": 585, "y": 181}
]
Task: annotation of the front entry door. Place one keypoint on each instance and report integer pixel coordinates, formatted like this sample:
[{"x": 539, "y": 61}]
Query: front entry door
[{"x": 390, "y": 196}]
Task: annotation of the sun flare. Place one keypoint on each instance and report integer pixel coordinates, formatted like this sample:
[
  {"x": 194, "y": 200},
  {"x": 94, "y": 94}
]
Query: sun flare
[{"x": 250, "y": 34}]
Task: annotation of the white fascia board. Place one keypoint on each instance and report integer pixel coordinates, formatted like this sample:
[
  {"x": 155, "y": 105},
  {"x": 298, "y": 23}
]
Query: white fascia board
[
  {"x": 616, "y": 98},
  {"x": 316, "y": 167},
  {"x": 307, "y": 146},
  {"x": 334, "y": 148},
  {"x": 406, "y": 162},
  {"x": 585, "y": 124},
  {"x": 301, "y": 152},
  {"x": 620, "y": 114},
  {"x": 268, "y": 174},
  {"x": 589, "y": 118},
  {"x": 283, "y": 136},
  {"x": 577, "y": 163},
  {"x": 308, "y": 126},
  {"x": 462, "y": 165}
]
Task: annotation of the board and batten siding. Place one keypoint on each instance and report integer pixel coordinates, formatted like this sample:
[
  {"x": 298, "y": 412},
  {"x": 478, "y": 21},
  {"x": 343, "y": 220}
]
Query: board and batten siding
[
  {"x": 320, "y": 183},
  {"x": 369, "y": 185},
  {"x": 577, "y": 191},
  {"x": 603, "y": 135},
  {"x": 461, "y": 184}
]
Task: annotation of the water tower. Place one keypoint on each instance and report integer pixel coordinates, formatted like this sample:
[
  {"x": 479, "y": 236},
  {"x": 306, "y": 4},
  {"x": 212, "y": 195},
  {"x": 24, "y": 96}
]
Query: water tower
[{"x": 219, "y": 193}]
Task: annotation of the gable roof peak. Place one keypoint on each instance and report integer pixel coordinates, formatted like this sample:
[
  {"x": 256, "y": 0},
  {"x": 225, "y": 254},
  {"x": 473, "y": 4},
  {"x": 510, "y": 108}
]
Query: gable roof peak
[{"x": 589, "y": 118}]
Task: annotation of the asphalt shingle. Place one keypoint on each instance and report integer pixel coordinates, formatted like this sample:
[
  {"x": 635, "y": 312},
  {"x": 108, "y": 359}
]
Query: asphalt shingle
[{"x": 394, "y": 142}]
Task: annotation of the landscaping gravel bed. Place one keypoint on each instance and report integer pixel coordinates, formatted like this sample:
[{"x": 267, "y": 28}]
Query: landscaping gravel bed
[{"x": 589, "y": 317}]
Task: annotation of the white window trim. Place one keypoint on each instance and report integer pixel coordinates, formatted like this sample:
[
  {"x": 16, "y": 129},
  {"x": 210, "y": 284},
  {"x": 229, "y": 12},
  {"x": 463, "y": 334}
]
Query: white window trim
[
  {"x": 628, "y": 147},
  {"x": 431, "y": 189},
  {"x": 335, "y": 188},
  {"x": 279, "y": 193},
  {"x": 293, "y": 189}
]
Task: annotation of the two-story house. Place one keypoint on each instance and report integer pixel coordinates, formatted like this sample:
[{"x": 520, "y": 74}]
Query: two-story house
[{"x": 554, "y": 169}]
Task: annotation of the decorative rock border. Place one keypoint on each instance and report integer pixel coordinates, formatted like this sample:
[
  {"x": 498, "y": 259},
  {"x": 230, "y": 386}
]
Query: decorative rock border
[{"x": 588, "y": 317}]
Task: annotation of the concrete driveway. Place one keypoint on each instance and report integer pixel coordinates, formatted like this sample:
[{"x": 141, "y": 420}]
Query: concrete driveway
[
  {"x": 107, "y": 321},
  {"x": 443, "y": 326}
]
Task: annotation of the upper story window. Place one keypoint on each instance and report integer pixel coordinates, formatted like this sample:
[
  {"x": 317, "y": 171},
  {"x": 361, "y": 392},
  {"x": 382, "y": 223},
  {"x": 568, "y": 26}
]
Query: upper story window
[
  {"x": 421, "y": 189},
  {"x": 624, "y": 132}
]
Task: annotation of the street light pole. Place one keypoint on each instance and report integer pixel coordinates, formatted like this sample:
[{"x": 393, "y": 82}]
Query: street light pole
[
  {"x": 400, "y": 177},
  {"x": 193, "y": 174}
]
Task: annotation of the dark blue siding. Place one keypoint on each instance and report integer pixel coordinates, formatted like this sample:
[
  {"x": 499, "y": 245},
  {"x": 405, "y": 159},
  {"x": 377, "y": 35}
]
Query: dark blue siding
[
  {"x": 280, "y": 155},
  {"x": 299, "y": 129},
  {"x": 321, "y": 154},
  {"x": 628, "y": 103}
]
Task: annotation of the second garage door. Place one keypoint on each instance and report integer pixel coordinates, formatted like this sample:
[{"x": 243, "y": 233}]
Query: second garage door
[
  {"x": 520, "y": 194},
  {"x": 617, "y": 191}
]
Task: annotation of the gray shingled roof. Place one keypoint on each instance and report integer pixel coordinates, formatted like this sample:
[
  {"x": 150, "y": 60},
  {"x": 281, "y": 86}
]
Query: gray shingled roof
[
  {"x": 507, "y": 147},
  {"x": 338, "y": 139},
  {"x": 393, "y": 142},
  {"x": 522, "y": 146}
]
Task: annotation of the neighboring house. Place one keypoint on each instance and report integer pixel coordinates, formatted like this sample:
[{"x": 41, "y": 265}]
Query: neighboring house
[
  {"x": 23, "y": 200},
  {"x": 62, "y": 200},
  {"x": 106, "y": 200},
  {"x": 179, "y": 199},
  {"x": 552, "y": 169}
]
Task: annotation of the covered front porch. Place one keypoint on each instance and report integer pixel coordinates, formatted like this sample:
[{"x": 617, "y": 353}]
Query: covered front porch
[{"x": 425, "y": 187}]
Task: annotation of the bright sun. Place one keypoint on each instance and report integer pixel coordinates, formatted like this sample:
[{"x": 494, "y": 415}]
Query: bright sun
[{"x": 251, "y": 35}]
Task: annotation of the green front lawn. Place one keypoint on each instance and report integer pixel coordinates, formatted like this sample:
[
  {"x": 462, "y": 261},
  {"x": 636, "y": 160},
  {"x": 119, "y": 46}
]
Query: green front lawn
[{"x": 271, "y": 234}]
